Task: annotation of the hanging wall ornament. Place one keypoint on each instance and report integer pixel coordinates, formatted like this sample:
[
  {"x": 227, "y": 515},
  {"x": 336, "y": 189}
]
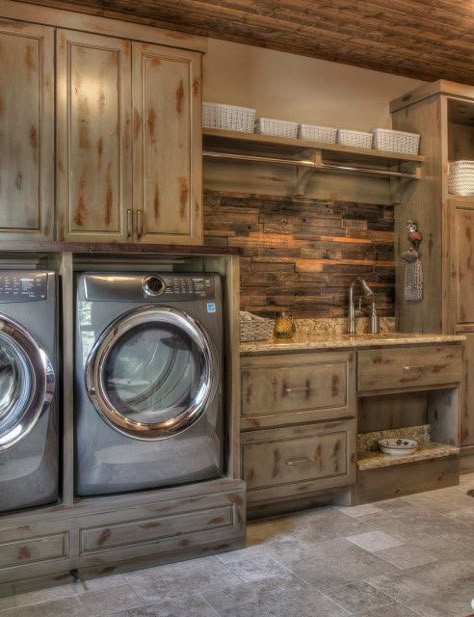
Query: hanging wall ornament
[{"x": 413, "y": 283}]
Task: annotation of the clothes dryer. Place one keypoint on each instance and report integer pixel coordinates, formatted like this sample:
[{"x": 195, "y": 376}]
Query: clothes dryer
[{"x": 148, "y": 373}]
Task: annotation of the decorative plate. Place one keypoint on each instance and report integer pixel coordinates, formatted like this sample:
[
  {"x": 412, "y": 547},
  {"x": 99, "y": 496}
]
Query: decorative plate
[{"x": 398, "y": 447}]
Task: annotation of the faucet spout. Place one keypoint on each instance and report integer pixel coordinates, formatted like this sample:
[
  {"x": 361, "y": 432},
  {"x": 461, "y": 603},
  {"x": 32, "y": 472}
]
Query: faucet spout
[{"x": 370, "y": 296}]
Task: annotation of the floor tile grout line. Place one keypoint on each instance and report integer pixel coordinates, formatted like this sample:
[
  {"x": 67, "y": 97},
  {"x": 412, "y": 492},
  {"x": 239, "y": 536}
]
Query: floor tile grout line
[{"x": 218, "y": 614}]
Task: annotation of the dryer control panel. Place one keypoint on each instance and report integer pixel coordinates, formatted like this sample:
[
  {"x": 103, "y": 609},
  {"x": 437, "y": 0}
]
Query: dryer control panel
[
  {"x": 23, "y": 286},
  {"x": 189, "y": 286},
  {"x": 150, "y": 287}
]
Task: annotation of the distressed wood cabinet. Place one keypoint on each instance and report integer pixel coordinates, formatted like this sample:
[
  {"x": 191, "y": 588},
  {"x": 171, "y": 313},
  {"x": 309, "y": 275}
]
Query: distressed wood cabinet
[
  {"x": 298, "y": 422},
  {"x": 94, "y": 156},
  {"x": 124, "y": 176},
  {"x": 443, "y": 113},
  {"x": 167, "y": 147},
  {"x": 26, "y": 131}
]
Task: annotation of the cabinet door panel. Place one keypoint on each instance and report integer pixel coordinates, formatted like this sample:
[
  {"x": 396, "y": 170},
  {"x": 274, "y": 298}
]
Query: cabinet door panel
[
  {"x": 167, "y": 144},
  {"x": 94, "y": 136},
  {"x": 26, "y": 131},
  {"x": 464, "y": 266}
]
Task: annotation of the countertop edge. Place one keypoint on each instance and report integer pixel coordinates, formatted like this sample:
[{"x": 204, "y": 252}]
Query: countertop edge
[{"x": 348, "y": 342}]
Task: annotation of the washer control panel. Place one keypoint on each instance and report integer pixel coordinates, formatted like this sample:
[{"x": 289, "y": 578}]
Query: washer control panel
[{"x": 23, "y": 287}]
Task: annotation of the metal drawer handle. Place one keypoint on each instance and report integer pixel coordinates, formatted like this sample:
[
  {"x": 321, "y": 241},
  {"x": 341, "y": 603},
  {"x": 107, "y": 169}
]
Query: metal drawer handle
[
  {"x": 139, "y": 224},
  {"x": 288, "y": 390},
  {"x": 292, "y": 462},
  {"x": 414, "y": 368},
  {"x": 129, "y": 223}
]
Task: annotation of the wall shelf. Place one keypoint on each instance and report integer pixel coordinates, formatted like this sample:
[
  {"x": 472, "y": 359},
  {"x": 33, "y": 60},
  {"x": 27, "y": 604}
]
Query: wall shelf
[{"x": 309, "y": 157}]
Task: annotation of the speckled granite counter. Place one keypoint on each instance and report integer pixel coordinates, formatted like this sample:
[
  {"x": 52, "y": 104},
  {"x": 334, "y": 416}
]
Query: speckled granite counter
[{"x": 305, "y": 342}]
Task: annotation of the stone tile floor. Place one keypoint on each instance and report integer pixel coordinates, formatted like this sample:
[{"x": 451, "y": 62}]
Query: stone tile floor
[{"x": 406, "y": 557}]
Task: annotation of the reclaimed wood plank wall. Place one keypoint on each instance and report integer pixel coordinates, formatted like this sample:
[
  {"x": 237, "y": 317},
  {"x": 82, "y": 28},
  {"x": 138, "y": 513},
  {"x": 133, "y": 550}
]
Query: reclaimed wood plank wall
[{"x": 303, "y": 254}]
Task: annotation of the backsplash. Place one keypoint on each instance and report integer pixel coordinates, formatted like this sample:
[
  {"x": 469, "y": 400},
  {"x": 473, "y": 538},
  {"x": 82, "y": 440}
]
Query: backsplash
[{"x": 303, "y": 254}]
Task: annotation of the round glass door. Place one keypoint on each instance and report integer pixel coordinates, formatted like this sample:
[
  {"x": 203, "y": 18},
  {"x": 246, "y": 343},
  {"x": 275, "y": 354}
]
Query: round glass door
[
  {"x": 152, "y": 372},
  {"x": 26, "y": 382}
]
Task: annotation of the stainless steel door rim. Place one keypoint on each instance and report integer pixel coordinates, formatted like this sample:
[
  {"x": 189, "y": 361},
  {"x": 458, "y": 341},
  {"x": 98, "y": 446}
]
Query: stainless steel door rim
[
  {"x": 35, "y": 362},
  {"x": 186, "y": 416}
]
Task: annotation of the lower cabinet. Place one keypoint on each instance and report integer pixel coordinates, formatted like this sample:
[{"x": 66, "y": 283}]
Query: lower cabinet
[
  {"x": 112, "y": 534},
  {"x": 298, "y": 426}
]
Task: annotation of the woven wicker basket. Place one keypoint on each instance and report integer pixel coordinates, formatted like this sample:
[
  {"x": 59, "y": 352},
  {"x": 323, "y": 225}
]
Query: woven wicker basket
[
  {"x": 277, "y": 128},
  {"x": 396, "y": 141},
  {"x": 321, "y": 134},
  {"x": 229, "y": 117},
  {"x": 254, "y": 328},
  {"x": 354, "y": 139},
  {"x": 461, "y": 178}
]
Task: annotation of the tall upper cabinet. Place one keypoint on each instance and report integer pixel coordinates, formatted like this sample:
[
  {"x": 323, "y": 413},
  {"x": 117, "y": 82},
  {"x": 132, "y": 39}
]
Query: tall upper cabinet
[
  {"x": 129, "y": 140},
  {"x": 26, "y": 131},
  {"x": 100, "y": 129},
  {"x": 443, "y": 113}
]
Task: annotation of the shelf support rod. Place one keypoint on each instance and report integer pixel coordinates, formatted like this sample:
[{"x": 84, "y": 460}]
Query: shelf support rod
[{"x": 312, "y": 165}]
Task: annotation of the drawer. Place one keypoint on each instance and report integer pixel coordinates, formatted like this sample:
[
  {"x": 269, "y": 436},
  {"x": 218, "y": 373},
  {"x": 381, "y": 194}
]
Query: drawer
[
  {"x": 31, "y": 550},
  {"x": 151, "y": 529},
  {"x": 286, "y": 457},
  {"x": 408, "y": 367},
  {"x": 292, "y": 382}
]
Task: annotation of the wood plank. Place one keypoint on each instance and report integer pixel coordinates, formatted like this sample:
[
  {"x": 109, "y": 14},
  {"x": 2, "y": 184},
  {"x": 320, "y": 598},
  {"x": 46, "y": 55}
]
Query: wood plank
[
  {"x": 233, "y": 138},
  {"x": 97, "y": 248},
  {"x": 416, "y": 39},
  {"x": 389, "y": 482},
  {"x": 96, "y": 20}
]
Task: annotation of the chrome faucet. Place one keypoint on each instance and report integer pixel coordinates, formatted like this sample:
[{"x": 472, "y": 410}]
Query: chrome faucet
[{"x": 370, "y": 297}]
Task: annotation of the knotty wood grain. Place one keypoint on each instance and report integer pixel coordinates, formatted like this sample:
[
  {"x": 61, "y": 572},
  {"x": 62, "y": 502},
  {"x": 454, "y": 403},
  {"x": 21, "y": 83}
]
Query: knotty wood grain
[{"x": 415, "y": 38}]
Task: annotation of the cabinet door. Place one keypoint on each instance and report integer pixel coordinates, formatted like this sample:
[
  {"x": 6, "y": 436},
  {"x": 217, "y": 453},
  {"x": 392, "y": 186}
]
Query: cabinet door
[
  {"x": 461, "y": 255},
  {"x": 93, "y": 137},
  {"x": 26, "y": 131},
  {"x": 167, "y": 151}
]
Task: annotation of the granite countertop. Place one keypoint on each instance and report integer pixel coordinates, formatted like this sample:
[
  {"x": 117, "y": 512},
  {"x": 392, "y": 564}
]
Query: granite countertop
[{"x": 303, "y": 341}]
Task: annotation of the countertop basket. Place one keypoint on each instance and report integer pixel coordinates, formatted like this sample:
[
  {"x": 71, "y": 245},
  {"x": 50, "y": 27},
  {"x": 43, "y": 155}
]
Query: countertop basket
[
  {"x": 229, "y": 117},
  {"x": 396, "y": 141},
  {"x": 254, "y": 328}
]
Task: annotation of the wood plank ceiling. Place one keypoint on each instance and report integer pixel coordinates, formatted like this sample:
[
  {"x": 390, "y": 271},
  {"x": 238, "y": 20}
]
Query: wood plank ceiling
[{"x": 424, "y": 39}]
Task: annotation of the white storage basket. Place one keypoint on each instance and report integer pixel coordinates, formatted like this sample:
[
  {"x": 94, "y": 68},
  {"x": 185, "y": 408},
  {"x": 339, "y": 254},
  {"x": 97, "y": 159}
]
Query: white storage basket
[
  {"x": 254, "y": 328},
  {"x": 461, "y": 178},
  {"x": 277, "y": 128},
  {"x": 313, "y": 132},
  {"x": 396, "y": 141},
  {"x": 354, "y": 139},
  {"x": 229, "y": 117}
]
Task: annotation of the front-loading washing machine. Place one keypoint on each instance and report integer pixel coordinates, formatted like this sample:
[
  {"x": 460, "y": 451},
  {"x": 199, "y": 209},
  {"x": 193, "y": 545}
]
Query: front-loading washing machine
[
  {"x": 148, "y": 375},
  {"x": 29, "y": 443}
]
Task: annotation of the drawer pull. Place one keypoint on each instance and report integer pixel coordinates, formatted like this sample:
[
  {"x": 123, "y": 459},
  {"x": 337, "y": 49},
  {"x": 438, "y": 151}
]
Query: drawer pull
[
  {"x": 292, "y": 462},
  {"x": 414, "y": 368},
  {"x": 289, "y": 390}
]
